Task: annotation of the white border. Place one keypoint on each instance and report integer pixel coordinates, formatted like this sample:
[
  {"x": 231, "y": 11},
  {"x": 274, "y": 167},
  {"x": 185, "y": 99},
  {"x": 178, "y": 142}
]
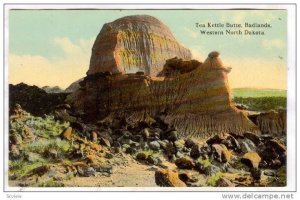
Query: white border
[{"x": 291, "y": 162}]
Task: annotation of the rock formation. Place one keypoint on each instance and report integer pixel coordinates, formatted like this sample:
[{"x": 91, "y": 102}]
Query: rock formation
[
  {"x": 194, "y": 96},
  {"x": 74, "y": 86},
  {"x": 271, "y": 122},
  {"x": 134, "y": 43},
  {"x": 33, "y": 99}
]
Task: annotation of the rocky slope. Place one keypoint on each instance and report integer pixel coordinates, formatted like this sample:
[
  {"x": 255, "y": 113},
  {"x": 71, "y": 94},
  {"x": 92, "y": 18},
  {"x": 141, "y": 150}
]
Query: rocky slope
[
  {"x": 34, "y": 99},
  {"x": 74, "y": 86},
  {"x": 134, "y": 43},
  {"x": 44, "y": 152}
]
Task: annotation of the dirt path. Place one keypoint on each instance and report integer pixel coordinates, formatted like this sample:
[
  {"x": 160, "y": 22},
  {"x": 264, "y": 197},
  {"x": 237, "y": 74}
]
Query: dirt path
[{"x": 132, "y": 175}]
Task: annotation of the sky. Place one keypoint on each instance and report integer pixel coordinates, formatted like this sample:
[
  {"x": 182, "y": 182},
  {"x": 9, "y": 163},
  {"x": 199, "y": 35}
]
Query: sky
[{"x": 53, "y": 47}]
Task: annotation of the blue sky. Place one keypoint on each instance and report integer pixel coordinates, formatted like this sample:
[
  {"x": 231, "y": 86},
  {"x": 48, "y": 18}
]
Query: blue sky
[{"x": 52, "y": 47}]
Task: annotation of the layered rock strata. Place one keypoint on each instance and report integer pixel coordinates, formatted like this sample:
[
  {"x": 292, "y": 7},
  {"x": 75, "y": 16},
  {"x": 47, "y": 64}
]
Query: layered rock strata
[
  {"x": 134, "y": 43},
  {"x": 195, "y": 96}
]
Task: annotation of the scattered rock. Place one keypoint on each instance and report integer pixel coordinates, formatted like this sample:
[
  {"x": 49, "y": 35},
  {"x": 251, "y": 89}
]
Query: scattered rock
[
  {"x": 94, "y": 136},
  {"x": 89, "y": 171},
  {"x": 146, "y": 133},
  {"x": 67, "y": 133},
  {"x": 255, "y": 173},
  {"x": 275, "y": 164},
  {"x": 173, "y": 136},
  {"x": 15, "y": 139},
  {"x": 221, "y": 153},
  {"x": 211, "y": 169},
  {"x": 109, "y": 155},
  {"x": 199, "y": 167},
  {"x": 130, "y": 150},
  {"x": 141, "y": 156},
  {"x": 184, "y": 163},
  {"x": 40, "y": 170},
  {"x": 195, "y": 152},
  {"x": 189, "y": 143},
  {"x": 52, "y": 153},
  {"x": 154, "y": 145},
  {"x": 104, "y": 169},
  {"x": 105, "y": 142},
  {"x": 14, "y": 152},
  {"x": 253, "y": 137},
  {"x": 187, "y": 178},
  {"x": 179, "y": 144},
  {"x": 167, "y": 178},
  {"x": 170, "y": 149},
  {"x": 269, "y": 172},
  {"x": 247, "y": 145},
  {"x": 251, "y": 159},
  {"x": 279, "y": 148},
  {"x": 153, "y": 160},
  {"x": 224, "y": 182}
]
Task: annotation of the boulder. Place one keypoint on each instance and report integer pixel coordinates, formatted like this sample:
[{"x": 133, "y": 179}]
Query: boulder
[
  {"x": 167, "y": 178},
  {"x": 154, "y": 145},
  {"x": 187, "y": 178},
  {"x": 195, "y": 152},
  {"x": 255, "y": 173},
  {"x": 67, "y": 133},
  {"x": 141, "y": 156},
  {"x": 251, "y": 159},
  {"x": 247, "y": 145},
  {"x": 278, "y": 147},
  {"x": 105, "y": 142},
  {"x": 221, "y": 153},
  {"x": 253, "y": 137},
  {"x": 104, "y": 169},
  {"x": 224, "y": 182},
  {"x": 184, "y": 163}
]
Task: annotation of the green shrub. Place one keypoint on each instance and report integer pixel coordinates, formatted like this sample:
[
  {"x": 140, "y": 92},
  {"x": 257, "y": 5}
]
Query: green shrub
[
  {"x": 21, "y": 168},
  {"x": 43, "y": 145},
  {"x": 212, "y": 180},
  {"x": 205, "y": 163},
  {"x": 51, "y": 183},
  {"x": 45, "y": 127}
]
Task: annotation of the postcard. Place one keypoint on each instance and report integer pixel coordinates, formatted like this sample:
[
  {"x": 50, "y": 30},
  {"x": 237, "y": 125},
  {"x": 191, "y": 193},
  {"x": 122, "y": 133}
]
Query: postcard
[{"x": 150, "y": 98}]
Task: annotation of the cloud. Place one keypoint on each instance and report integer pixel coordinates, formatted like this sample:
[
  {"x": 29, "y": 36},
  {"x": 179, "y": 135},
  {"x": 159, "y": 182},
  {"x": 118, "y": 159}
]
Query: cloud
[
  {"x": 273, "y": 43},
  {"x": 62, "y": 71},
  {"x": 191, "y": 33}
]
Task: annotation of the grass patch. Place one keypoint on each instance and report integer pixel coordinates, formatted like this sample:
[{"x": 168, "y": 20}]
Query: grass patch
[
  {"x": 254, "y": 92},
  {"x": 21, "y": 168},
  {"x": 212, "y": 180},
  {"x": 262, "y": 103},
  {"x": 51, "y": 183},
  {"x": 45, "y": 127},
  {"x": 41, "y": 146},
  {"x": 205, "y": 163},
  {"x": 280, "y": 179}
]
